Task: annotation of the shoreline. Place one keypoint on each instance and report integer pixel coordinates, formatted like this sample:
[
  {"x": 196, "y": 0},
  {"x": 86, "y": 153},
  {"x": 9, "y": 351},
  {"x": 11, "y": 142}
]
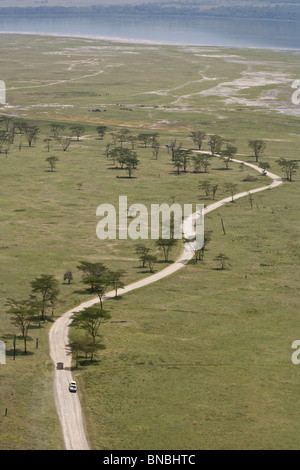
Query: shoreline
[{"x": 113, "y": 39}]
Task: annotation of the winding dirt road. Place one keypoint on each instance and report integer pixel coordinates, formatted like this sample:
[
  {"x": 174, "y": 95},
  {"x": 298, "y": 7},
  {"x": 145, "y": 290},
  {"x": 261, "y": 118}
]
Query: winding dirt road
[{"x": 68, "y": 404}]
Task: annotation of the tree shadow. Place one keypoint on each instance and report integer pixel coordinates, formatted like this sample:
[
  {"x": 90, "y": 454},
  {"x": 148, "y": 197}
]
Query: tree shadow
[
  {"x": 82, "y": 292},
  {"x": 18, "y": 352},
  {"x": 162, "y": 261},
  {"x": 223, "y": 169},
  {"x": 87, "y": 362},
  {"x": 118, "y": 297},
  {"x": 126, "y": 177}
]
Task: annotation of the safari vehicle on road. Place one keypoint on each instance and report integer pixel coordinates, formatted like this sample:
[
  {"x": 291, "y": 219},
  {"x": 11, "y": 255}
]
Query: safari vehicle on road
[{"x": 72, "y": 386}]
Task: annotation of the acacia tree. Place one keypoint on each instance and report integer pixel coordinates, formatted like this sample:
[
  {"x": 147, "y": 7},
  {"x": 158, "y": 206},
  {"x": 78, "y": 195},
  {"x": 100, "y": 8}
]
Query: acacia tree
[
  {"x": 288, "y": 166},
  {"x": 150, "y": 260},
  {"x": 198, "y": 138},
  {"x": 183, "y": 157},
  {"x": 214, "y": 190},
  {"x": 115, "y": 279},
  {"x": 5, "y": 140},
  {"x": 222, "y": 259},
  {"x": 47, "y": 289},
  {"x": 96, "y": 276},
  {"x": 122, "y": 136},
  {"x": 173, "y": 146},
  {"x": 142, "y": 250},
  {"x": 52, "y": 162},
  {"x": 232, "y": 188},
  {"x": 205, "y": 162},
  {"x": 125, "y": 157},
  {"x": 21, "y": 313},
  {"x": 47, "y": 142},
  {"x": 31, "y": 132},
  {"x": 166, "y": 245},
  {"x": 226, "y": 161},
  {"x": 206, "y": 187},
  {"x": 90, "y": 269},
  {"x": 107, "y": 148},
  {"x": 101, "y": 131},
  {"x": 78, "y": 131},
  {"x": 90, "y": 319},
  {"x": 178, "y": 162},
  {"x": 7, "y": 121},
  {"x": 56, "y": 128},
  {"x": 156, "y": 147},
  {"x": 131, "y": 163},
  {"x": 115, "y": 154},
  {"x": 78, "y": 345},
  {"x": 258, "y": 146},
  {"x": 199, "y": 252},
  {"x": 201, "y": 161},
  {"x": 83, "y": 345},
  {"x": 132, "y": 139},
  {"x": 215, "y": 144},
  {"x": 227, "y": 154},
  {"x": 146, "y": 138}
]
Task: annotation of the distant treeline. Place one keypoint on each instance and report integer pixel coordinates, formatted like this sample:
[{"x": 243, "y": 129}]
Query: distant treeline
[{"x": 289, "y": 11}]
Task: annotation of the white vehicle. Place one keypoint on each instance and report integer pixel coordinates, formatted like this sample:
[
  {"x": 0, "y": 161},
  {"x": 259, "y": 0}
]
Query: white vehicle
[{"x": 73, "y": 386}]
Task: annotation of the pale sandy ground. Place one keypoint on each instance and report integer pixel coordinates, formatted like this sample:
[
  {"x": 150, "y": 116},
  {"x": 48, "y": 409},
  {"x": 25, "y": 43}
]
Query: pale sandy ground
[{"x": 68, "y": 404}]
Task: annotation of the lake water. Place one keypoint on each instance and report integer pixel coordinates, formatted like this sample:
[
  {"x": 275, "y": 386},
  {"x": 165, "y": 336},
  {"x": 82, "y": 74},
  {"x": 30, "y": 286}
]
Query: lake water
[{"x": 166, "y": 30}]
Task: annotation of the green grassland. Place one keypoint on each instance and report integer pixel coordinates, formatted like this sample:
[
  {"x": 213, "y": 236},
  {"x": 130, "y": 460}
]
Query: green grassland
[{"x": 201, "y": 360}]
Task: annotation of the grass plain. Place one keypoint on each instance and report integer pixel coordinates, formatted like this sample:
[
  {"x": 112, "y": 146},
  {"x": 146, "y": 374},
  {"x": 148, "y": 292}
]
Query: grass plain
[{"x": 201, "y": 360}]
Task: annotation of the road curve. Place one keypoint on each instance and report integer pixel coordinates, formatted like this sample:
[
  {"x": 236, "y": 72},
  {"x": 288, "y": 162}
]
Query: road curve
[{"x": 68, "y": 404}]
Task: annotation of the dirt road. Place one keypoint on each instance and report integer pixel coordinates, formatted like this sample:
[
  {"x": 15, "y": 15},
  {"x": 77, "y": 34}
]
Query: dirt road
[{"x": 68, "y": 404}]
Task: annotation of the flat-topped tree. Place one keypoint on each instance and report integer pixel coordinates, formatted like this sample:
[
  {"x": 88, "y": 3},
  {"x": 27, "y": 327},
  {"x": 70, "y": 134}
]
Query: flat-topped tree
[
  {"x": 288, "y": 166},
  {"x": 96, "y": 276},
  {"x": 52, "y": 162},
  {"x": 101, "y": 131},
  {"x": 122, "y": 136},
  {"x": 116, "y": 279},
  {"x": 215, "y": 144},
  {"x": 166, "y": 245},
  {"x": 198, "y": 138},
  {"x": 227, "y": 154},
  {"x": 222, "y": 259},
  {"x": 206, "y": 187},
  {"x": 131, "y": 164},
  {"x": 147, "y": 138},
  {"x": 21, "y": 313},
  {"x": 30, "y": 132},
  {"x": 47, "y": 289},
  {"x": 231, "y": 187},
  {"x": 258, "y": 146},
  {"x": 90, "y": 319},
  {"x": 143, "y": 251},
  {"x": 78, "y": 131},
  {"x": 56, "y": 128}
]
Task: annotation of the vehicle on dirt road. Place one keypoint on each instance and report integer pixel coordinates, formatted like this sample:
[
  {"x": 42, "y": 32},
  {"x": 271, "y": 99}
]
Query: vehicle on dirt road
[{"x": 72, "y": 386}]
